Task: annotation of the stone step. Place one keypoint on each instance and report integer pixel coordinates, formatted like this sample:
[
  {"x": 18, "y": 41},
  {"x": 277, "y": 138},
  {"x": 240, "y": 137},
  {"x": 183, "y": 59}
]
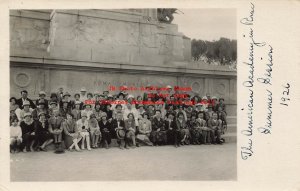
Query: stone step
[
  {"x": 231, "y": 119},
  {"x": 231, "y": 128},
  {"x": 230, "y": 137}
]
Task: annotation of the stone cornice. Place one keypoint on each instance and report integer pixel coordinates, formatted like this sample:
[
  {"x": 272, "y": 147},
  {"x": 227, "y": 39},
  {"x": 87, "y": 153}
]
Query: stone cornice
[{"x": 166, "y": 70}]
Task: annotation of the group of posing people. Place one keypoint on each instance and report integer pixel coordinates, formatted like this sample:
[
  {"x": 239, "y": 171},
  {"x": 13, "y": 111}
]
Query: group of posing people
[{"x": 91, "y": 120}]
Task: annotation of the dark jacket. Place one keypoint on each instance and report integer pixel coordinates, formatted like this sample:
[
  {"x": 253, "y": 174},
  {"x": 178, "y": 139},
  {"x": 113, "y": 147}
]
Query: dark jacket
[
  {"x": 172, "y": 125},
  {"x": 158, "y": 124},
  {"x": 20, "y": 103}
]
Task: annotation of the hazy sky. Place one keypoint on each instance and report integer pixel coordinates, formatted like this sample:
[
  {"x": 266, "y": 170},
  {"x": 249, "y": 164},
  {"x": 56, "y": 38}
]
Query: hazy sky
[{"x": 207, "y": 24}]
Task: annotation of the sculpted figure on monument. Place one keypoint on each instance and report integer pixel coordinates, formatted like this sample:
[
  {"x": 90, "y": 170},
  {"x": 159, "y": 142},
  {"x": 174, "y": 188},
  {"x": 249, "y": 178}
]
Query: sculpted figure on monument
[{"x": 166, "y": 15}]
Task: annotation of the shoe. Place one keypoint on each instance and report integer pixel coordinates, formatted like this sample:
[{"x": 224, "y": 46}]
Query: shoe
[
  {"x": 24, "y": 150},
  {"x": 82, "y": 147},
  {"x": 78, "y": 150},
  {"x": 89, "y": 149},
  {"x": 175, "y": 146},
  {"x": 43, "y": 149},
  {"x": 133, "y": 147},
  {"x": 69, "y": 149}
]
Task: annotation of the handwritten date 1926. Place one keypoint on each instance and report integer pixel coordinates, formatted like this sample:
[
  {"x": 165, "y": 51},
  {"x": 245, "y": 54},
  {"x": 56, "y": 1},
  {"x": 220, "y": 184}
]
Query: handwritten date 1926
[{"x": 286, "y": 92}]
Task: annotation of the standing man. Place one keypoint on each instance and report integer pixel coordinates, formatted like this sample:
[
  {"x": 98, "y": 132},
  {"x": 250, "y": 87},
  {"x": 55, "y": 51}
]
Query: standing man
[
  {"x": 24, "y": 98},
  {"x": 83, "y": 95}
]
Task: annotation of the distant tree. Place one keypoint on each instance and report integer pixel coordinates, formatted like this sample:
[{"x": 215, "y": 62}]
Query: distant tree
[{"x": 223, "y": 50}]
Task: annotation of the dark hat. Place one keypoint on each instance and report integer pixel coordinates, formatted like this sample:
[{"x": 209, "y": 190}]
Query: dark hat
[
  {"x": 120, "y": 133},
  {"x": 170, "y": 113},
  {"x": 221, "y": 99},
  {"x": 89, "y": 94},
  {"x": 76, "y": 94},
  {"x": 105, "y": 91},
  {"x": 53, "y": 95},
  {"x": 66, "y": 94},
  {"x": 121, "y": 93},
  {"x": 53, "y": 102}
]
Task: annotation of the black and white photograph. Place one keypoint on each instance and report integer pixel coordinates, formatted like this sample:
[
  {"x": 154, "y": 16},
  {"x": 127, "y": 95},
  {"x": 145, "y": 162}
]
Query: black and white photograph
[{"x": 123, "y": 94}]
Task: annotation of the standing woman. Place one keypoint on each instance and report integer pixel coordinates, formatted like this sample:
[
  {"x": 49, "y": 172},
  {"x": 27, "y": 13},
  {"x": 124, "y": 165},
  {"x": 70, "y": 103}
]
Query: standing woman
[
  {"x": 43, "y": 136},
  {"x": 130, "y": 130},
  {"x": 105, "y": 127},
  {"x": 144, "y": 130},
  {"x": 28, "y": 136},
  {"x": 72, "y": 136},
  {"x": 15, "y": 135},
  {"x": 94, "y": 130}
]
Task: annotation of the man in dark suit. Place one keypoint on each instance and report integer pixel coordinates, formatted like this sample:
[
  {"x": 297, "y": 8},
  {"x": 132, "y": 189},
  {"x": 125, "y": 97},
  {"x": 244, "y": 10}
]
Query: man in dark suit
[
  {"x": 24, "y": 97},
  {"x": 118, "y": 124},
  {"x": 173, "y": 134}
]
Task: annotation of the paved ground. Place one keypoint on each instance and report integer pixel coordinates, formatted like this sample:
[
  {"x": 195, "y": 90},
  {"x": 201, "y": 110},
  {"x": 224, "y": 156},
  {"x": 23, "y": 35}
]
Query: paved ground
[{"x": 204, "y": 162}]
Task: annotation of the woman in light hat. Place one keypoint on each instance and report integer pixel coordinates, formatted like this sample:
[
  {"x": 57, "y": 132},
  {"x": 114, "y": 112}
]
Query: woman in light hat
[
  {"x": 26, "y": 109},
  {"x": 105, "y": 127},
  {"x": 53, "y": 107},
  {"x": 144, "y": 130},
  {"x": 83, "y": 129},
  {"x": 42, "y": 134},
  {"x": 87, "y": 109},
  {"x": 72, "y": 136},
  {"x": 15, "y": 135},
  {"x": 28, "y": 136},
  {"x": 204, "y": 102},
  {"x": 94, "y": 130}
]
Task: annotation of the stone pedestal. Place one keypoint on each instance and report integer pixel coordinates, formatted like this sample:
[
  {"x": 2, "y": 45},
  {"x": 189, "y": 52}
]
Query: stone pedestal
[{"x": 98, "y": 48}]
